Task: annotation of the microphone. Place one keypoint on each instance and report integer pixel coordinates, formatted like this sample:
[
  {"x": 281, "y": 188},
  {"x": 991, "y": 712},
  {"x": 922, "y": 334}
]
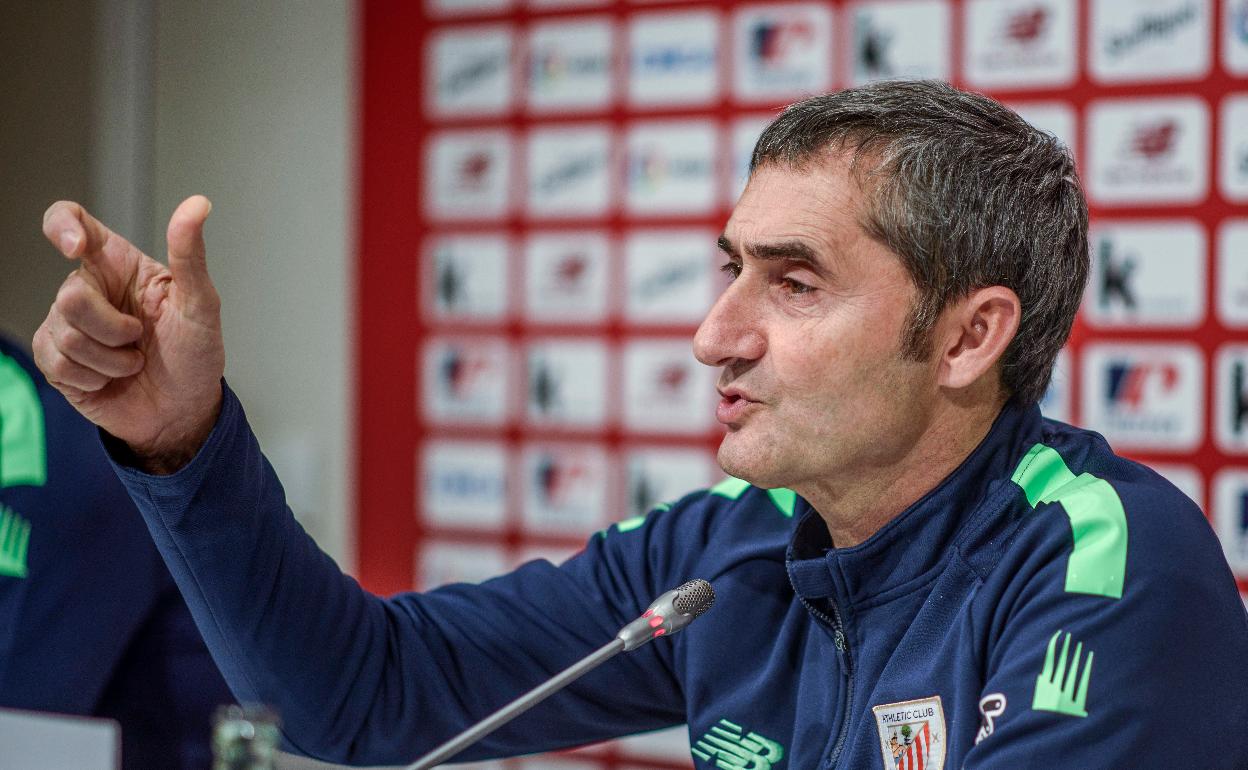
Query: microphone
[{"x": 666, "y": 615}]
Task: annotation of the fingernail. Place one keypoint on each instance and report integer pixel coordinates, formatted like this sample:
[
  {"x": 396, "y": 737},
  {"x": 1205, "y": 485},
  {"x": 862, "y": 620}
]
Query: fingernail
[{"x": 69, "y": 241}]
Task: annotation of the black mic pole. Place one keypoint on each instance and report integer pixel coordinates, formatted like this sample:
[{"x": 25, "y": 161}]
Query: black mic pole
[{"x": 668, "y": 614}]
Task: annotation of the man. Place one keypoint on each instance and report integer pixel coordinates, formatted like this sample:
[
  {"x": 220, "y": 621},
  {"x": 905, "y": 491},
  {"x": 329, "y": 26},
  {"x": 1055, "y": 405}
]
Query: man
[
  {"x": 90, "y": 620},
  {"x": 905, "y": 537}
]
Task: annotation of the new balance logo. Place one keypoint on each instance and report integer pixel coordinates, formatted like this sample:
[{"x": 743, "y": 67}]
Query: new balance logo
[
  {"x": 14, "y": 538},
  {"x": 1059, "y": 688},
  {"x": 725, "y": 747}
]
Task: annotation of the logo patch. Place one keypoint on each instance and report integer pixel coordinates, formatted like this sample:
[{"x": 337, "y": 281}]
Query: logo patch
[
  {"x": 728, "y": 747},
  {"x": 14, "y": 540},
  {"x": 912, "y": 734},
  {"x": 991, "y": 706},
  {"x": 1060, "y": 688}
]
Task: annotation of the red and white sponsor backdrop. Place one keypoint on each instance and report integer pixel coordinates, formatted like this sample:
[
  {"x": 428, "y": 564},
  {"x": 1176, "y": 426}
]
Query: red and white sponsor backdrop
[{"x": 543, "y": 182}]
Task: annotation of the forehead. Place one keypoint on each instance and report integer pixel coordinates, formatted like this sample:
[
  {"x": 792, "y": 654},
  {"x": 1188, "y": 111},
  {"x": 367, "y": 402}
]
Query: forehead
[{"x": 821, "y": 205}]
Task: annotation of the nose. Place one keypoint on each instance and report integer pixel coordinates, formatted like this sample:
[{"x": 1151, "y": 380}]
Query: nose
[{"x": 731, "y": 332}]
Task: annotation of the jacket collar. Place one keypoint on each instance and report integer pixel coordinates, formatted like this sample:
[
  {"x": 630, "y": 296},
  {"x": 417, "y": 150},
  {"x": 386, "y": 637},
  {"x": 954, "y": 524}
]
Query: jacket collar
[{"x": 901, "y": 556}]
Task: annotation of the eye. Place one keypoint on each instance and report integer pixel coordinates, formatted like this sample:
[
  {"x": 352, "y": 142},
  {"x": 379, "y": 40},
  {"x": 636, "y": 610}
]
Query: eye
[
  {"x": 795, "y": 287},
  {"x": 731, "y": 269}
]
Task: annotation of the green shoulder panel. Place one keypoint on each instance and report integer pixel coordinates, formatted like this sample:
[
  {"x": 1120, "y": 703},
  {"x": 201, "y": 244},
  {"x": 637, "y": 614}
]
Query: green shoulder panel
[
  {"x": 23, "y": 454},
  {"x": 732, "y": 488},
  {"x": 1098, "y": 523}
]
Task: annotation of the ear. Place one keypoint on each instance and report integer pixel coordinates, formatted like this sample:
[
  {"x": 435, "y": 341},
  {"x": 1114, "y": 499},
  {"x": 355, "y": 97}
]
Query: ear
[{"x": 975, "y": 333}]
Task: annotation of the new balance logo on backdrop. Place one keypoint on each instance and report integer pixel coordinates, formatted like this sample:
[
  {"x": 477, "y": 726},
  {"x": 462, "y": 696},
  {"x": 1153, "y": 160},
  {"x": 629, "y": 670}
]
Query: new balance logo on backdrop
[
  {"x": 1028, "y": 26},
  {"x": 1155, "y": 141}
]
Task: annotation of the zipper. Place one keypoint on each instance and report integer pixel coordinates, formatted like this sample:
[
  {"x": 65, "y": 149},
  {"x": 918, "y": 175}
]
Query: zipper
[{"x": 841, "y": 641}]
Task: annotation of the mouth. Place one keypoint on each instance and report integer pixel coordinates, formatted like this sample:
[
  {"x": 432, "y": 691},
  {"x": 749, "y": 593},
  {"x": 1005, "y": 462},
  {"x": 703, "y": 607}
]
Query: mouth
[{"x": 733, "y": 405}]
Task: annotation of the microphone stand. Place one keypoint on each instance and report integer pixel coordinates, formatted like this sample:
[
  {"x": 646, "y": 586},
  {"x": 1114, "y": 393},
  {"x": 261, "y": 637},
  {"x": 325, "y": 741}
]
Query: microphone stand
[{"x": 518, "y": 706}]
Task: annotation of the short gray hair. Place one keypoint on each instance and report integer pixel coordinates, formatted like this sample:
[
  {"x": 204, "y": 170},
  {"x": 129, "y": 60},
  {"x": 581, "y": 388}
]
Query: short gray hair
[{"x": 967, "y": 194}]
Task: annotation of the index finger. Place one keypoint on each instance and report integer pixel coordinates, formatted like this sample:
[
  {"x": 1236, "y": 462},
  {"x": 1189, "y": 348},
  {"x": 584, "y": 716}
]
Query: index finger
[{"x": 74, "y": 231}]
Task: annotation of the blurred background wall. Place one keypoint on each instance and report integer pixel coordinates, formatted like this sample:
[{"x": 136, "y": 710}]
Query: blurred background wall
[{"x": 129, "y": 106}]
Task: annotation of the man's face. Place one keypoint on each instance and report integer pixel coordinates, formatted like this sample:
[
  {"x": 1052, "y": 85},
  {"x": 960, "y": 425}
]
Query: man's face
[{"x": 808, "y": 334}]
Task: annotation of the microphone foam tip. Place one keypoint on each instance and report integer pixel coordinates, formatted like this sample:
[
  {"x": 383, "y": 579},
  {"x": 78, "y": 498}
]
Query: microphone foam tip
[{"x": 694, "y": 598}]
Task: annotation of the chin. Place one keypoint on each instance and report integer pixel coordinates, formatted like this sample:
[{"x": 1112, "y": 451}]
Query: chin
[{"x": 743, "y": 463}]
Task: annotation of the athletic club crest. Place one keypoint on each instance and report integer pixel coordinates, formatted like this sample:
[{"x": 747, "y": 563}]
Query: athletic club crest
[{"x": 912, "y": 734}]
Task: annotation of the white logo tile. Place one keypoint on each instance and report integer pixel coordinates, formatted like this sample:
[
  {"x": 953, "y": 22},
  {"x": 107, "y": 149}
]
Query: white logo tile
[
  {"x": 466, "y": 277},
  {"x": 671, "y": 168},
  {"x": 566, "y": 277},
  {"x": 1146, "y": 274},
  {"x": 570, "y": 65},
  {"x": 469, "y": 175},
  {"x": 464, "y": 484},
  {"x": 665, "y": 389},
  {"x": 670, "y": 275},
  {"x": 673, "y": 58},
  {"x": 1144, "y": 396},
  {"x": 568, "y": 171},
  {"x": 1148, "y": 151},
  {"x": 1149, "y": 40},
  {"x": 1020, "y": 43},
  {"x": 1232, "y": 276},
  {"x": 1233, "y": 148},
  {"x": 899, "y": 40},
  {"x": 1230, "y": 395},
  {"x": 781, "y": 52},
  {"x": 470, "y": 69}
]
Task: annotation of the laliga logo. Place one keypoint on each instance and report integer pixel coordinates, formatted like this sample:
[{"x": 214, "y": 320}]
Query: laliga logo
[
  {"x": 1153, "y": 141},
  {"x": 1027, "y": 26},
  {"x": 1127, "y": 382},
  {"x": 772, "y": 41}
]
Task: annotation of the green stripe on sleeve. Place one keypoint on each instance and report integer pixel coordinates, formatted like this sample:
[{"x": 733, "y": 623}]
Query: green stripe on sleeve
[
  {"x": 23, "y": 455},
  {"x": 1098, "y": 523}
]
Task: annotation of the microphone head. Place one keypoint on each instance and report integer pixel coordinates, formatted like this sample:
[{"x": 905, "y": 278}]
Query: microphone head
[{"x": 694, "y": 598}]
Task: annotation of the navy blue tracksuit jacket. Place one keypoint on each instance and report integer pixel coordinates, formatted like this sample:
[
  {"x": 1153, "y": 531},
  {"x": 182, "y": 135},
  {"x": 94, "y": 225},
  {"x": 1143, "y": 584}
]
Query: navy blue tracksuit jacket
[{"x": 1048, "y": 605}]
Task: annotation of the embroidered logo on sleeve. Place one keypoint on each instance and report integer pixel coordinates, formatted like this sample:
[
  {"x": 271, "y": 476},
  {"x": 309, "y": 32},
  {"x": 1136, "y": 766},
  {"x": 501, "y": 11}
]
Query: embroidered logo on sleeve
[
  {"x": 14, "y": 539},
  {"x": 1062, "y": 688},
  {"x": 991, "y": 706},
  {"x": 728, "y": 747},
  {"x": 912, "y": 734}
]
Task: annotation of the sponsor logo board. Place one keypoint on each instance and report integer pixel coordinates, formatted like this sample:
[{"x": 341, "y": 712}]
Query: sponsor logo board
[
  {"x": 1231, "y": 398},
  {"x": 899, "y": 40},
  {"x": 469, "y": 174},
  {"x": 1144, "y": 396},
  {"x": 464, "y": 484},
  {"x": 567, "y": 383},
  {"x": 1148, "y": 151},
  {"x": 471, "y": 71},
  {"x": 1149, "y": 40},
  {"x": 671, "y": 168},
  {"x": 568, "y": 171},
  {"x": 466, "y": 277},
  {"x": 670, "y": 275},
  {"x": 1146, "y": 274},
  {"x": 570, "y": 65},
  {"x": 781, "y": 52},
  {"x": 673, "y": 58},
  {"x": 565, "y": 278},
  {"x": 565, "y": 488},
  {"x": 665, "y": 389},
  {"x": 466, "y": 380},
  {"x": 1233, "y": 148},
  {"x": 1020, "y": 43},
  {"x": 1232, "y": 275}
]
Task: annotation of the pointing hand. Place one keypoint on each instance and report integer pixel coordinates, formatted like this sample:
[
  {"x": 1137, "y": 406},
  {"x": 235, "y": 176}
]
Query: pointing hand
[{"x": 136, "y": 346}]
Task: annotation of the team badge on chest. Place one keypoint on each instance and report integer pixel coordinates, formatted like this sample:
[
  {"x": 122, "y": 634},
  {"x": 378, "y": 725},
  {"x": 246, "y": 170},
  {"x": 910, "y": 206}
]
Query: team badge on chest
[{"x": 912, "y": 734}]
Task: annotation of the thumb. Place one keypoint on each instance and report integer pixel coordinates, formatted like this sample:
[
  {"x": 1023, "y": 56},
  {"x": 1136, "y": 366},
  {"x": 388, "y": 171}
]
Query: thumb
[{"x": 187, "y": 255}]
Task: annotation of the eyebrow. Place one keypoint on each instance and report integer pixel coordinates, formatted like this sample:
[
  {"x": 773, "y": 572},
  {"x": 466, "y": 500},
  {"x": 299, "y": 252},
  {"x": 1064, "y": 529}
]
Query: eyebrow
[{"x": 783, "y": 251}]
